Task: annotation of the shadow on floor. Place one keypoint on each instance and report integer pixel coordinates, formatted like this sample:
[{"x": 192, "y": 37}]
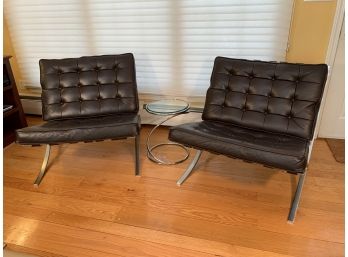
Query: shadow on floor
[{"x": 337, "y": 148}]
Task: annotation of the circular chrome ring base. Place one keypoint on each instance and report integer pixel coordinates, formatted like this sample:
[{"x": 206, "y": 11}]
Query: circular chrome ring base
[
  {"x": 157, "y": 160},
  {"x": 149, "y": 148}
]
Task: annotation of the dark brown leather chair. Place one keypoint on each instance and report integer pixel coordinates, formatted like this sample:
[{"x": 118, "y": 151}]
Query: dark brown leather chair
[
  {"x": 262, "y": 112},
  {"x": 86, "y": 99}
]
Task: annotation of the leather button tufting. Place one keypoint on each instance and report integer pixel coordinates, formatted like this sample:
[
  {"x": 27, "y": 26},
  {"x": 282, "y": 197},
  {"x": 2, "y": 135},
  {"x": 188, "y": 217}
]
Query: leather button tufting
[
  {"x": 272, "y": 88},
  {"x": 80, "y": 91}
]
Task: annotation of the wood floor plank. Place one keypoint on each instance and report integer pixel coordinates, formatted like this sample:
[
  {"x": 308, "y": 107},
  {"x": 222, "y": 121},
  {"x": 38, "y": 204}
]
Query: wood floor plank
[
  {"x": 66, "y": 204},
  {"x": 255, "y": 189},
  {"x": 74, "y": 241},
  {"x": 91, "y": 204},
  {"x": 221, "y": 209},
  {"x": 27, "y": 250},
  {"x": 235, "y": 235},
  {"x": 138, "y": 233},
  {"x": 246, "y": 192},
  {"x": 195, "y": 244},
  {"x": 229, "y": 212}
]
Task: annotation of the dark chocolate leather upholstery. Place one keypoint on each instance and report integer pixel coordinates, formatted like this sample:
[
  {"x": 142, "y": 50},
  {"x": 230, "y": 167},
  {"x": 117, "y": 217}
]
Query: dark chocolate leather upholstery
[
  {"x": 275, "y": 150},
  {"x": 259, "y": 111},
  {"x": 277, "y": 97},
  {"x": 88, "y": 86},
  {"x": 83, "y": 129},
  {"x": 86, "y": 99}
]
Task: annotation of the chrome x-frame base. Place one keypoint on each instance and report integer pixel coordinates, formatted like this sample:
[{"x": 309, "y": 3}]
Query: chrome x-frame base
[
  {"x": 297, "y": 197},
  {"x": 43, "y": 167},
  {"x": 47, "y": 156},
  {"x": 189, "y": 169},
  {"x": 137, "y": 155},
  {"x": 295, "y": 201}
]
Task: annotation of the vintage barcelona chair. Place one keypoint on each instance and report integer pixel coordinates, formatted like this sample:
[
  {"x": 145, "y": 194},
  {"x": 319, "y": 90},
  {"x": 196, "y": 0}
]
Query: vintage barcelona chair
[
  {"x": 86, "y": 99},
  {"x": 263, "y": 112}
]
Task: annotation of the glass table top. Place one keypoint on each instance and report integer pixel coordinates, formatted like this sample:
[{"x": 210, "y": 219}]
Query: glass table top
[{"x": 167, "y": 107}]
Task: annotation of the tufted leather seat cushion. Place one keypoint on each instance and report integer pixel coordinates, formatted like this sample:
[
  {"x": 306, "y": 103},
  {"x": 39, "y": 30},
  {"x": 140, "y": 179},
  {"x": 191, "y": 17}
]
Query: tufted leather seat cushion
[
  {"x": 275, "y": 150},
  {"x": 277, "y": 97},
  {"x": 83, "y": 129},
  {"x": 88, "y": 86}
]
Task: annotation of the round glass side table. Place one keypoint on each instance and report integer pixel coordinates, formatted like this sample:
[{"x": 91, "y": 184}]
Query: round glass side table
[{"x": 173, "y": 108}]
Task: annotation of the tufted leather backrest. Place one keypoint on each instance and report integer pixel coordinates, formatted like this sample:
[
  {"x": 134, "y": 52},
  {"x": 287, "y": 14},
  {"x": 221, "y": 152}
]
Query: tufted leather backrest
[
  {"x": 88, "y": 86},
  {"x": 275, "y": 97}
]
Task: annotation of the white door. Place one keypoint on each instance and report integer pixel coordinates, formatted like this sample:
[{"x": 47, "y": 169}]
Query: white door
[{"x": 332, "y": 121}]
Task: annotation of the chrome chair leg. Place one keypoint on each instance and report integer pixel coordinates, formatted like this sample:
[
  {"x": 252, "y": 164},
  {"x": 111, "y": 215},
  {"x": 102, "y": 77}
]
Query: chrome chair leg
[
  {"x": 43, "y": 167},
  {"x": 137, "y": 155},
  {"x": 297, "y": 197},
  {"x": 189, "y": 169}
]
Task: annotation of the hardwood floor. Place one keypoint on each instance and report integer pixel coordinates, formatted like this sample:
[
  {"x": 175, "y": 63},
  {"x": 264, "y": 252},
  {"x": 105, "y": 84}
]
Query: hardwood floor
[{"x": 91, "y": 204}]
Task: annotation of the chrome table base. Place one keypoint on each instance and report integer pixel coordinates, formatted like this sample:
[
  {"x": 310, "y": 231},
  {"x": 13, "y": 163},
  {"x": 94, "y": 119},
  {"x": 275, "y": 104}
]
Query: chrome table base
[{"x": 150, "y": 149}]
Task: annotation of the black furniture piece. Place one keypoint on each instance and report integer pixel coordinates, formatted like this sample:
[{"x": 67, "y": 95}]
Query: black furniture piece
[
  {"x": 13, "y": 112},
  {"x": 86, "y": 99},
  {"x": 262, "y": 112}
]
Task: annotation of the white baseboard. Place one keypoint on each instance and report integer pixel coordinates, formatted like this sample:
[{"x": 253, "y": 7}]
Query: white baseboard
[{"x": 32, "y": 105}]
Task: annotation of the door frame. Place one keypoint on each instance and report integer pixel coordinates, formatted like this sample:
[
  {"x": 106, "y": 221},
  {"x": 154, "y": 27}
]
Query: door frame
[{"x": 330, "y": 56}]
